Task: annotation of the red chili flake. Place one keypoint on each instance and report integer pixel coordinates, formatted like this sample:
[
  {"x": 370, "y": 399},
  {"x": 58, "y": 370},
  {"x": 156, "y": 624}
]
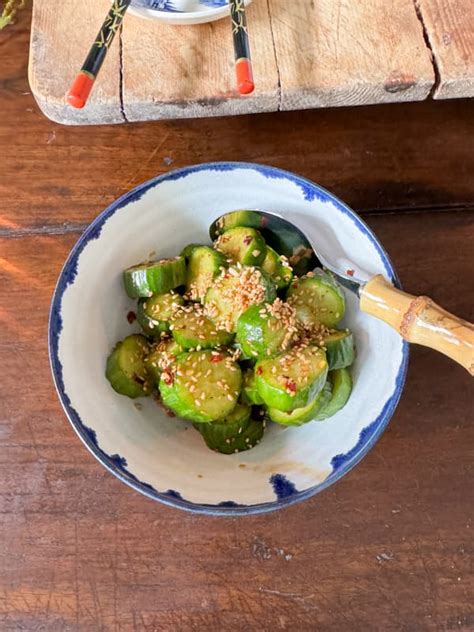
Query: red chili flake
[
  {"x": 263, "y": 222},
  {"x": 291, "y": 386},
  {"x": 168, "y": 378},
  {"x": 248, "y": 239},
  {"x": 131, "y": 317},
  {"x": 170, "y": 413},
  {"x": 350, "y": 272},
  {"x": 216, "y": 358},
  {"x": 259, "y": 370}
]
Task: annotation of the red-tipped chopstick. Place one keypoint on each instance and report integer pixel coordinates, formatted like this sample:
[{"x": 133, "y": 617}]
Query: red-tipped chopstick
[
  {"x": 243, "y": 63},
  {"x": 84, "y": 82}
]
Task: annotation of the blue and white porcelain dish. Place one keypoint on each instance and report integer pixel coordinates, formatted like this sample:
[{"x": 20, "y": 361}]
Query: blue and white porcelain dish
[
  {"x": 165, "y": 458},
  {"x": 182, "y": 11}
]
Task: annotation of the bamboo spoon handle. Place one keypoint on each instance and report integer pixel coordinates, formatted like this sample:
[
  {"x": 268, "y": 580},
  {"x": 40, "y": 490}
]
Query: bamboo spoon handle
[{"x": 420, "y": 320}]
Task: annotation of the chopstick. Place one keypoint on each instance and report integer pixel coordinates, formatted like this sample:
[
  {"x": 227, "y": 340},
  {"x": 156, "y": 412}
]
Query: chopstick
[
  {"x": 84, "y": 82},
  {"x": 243, "y": 63}
]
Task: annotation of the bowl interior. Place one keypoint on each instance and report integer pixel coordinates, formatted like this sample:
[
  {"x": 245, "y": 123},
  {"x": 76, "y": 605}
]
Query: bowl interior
[{"x": 165, "y": 457}]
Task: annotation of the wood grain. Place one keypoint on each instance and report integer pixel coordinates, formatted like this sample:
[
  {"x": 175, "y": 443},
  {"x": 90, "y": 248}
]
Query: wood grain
[
  {"x": 61, "y": 35},
  {"x": 305, "y": 54},
  {"x": 389, "y": 547},
  {"x": 176, "y": 72},
  {"x": 384, "y": 158},
  {"x": 449, "y": 27},
  {"x": 420, "y": 320},
  {"x": 349, "y": 53}
]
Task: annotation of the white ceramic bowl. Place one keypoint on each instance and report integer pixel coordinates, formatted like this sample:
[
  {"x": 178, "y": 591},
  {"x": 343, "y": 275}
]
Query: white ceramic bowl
[
  {"x": 165, "y": 458},
  {"x": 182, "y": 12}
]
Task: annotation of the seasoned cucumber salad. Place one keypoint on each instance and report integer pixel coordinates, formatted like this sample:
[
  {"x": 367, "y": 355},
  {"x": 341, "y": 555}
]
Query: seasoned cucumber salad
[{"x": 232, "y": 338}]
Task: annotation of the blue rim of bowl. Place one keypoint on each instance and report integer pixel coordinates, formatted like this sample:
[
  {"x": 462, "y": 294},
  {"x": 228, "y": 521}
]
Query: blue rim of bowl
[{"x": 286, "y": 493}]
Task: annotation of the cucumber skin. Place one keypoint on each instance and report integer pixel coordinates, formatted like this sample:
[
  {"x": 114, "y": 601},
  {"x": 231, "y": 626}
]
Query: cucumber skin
[
  {"x": 212, "y": 295},
  {"x": 250, "y": 394},
  {"x": 293, "y": 244},
  {"x": 340, "y": 353},
  {"x": 224, "y": 437},
  {"x": 175, "y": 400},
  {"x": 301, "y": 416},
  {"x": 341, "y": 391},
  {"x": 254, "y": 336},
  {"x": 278, "y": 398},
  {"x": 218, "y": 261},
  {"x": 246, "y": 258},
  {"x": 319, "y": 278},
  {"x": 190, "y": 341},
  {"x": 146, "y": 321},
  {"x": 188, "y": 250},
  {"x": 158, "y": 279},
  {"x": 280, "y": 274},
  {"x": 119, "y": 381}
]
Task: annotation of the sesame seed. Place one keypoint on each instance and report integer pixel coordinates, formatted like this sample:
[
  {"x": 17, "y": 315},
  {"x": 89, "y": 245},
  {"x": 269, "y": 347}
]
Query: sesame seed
[{"x": 230, "y": 398}]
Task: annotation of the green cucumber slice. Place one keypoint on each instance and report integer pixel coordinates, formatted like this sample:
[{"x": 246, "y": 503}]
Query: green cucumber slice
[
  {"x": 341, "y": 382},
  {"x": 278, "y": 268},
  {"x": 242, "y": 245},
  {"x": 250, "y": 394},
  {"x": 234, "y": 291},
  {"x": 154, "y": 277},
  {"x": 318, "y": 299},
  {"x": 154, "y": 313},
  {"x": 340, "y": 349},
  {"x": 126, "y": 370},
  {"x": 236, "y": 433},
  {"x": 291, "y": 243},
  {"x": 204, "y": 264},
  {"x": 187, "y": 251},
  {"x": 201, "y": 386},
  {"x": 161, "y": 357},
  {"x": 265, "y": 330},
  {"x": 301, "y": 416},
  {"x": 193, "y": 330},
  {"x": 293, "y": 379}
]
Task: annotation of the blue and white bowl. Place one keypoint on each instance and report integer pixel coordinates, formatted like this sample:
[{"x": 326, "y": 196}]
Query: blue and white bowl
[
  {"x": 165, "y": 458},
  {"x": 182, "y": 11}
]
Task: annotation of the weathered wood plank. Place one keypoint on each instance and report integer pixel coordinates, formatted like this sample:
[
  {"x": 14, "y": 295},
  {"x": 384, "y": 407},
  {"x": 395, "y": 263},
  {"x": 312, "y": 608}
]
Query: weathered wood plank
[
  {"x": 449, "y": 26},
  {"x": 79, "y": 550},
  {"x": 339, "y": 52},
  {"x": 329, "y": 53},
  {"x": 176, "y": 72},
  {"x": 61, "y": 35}
]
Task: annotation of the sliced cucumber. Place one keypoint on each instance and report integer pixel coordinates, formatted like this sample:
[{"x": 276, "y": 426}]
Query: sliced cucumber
[
  {"x": 278, "y": 268},
  {"x": 318, "y": 299},
  {"x": 234, "y": 291},
  {"x": 301, "y": 416},
  {"x": 341, "y": 382},
  {"x": 293, "y": 379},
  {"x": 204, "y": 264},
  {"x": 265, "y": 330},
  {"x": 242, "y": 245},
  {"x": 155, "y": 277},
  {"x": 201, "y": 386},
  {"x": 193, "y": 330},
  {"x": 291, "y": 243},
  {"x": 250, "y": 394},
  {"x": 126, "y": 370},
  {"x": 187, "y": 251},
  {"x": 161, "y": 357},
  {"x": 236, "y": 433},
  {"x": 340, "y": 349},
  {"x": 154, "y": 313}
]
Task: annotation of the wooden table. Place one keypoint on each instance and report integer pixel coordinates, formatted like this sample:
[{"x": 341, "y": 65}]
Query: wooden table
[
  {"x": 387, "y": 548},
  {"x": 305, "y": 55}
]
